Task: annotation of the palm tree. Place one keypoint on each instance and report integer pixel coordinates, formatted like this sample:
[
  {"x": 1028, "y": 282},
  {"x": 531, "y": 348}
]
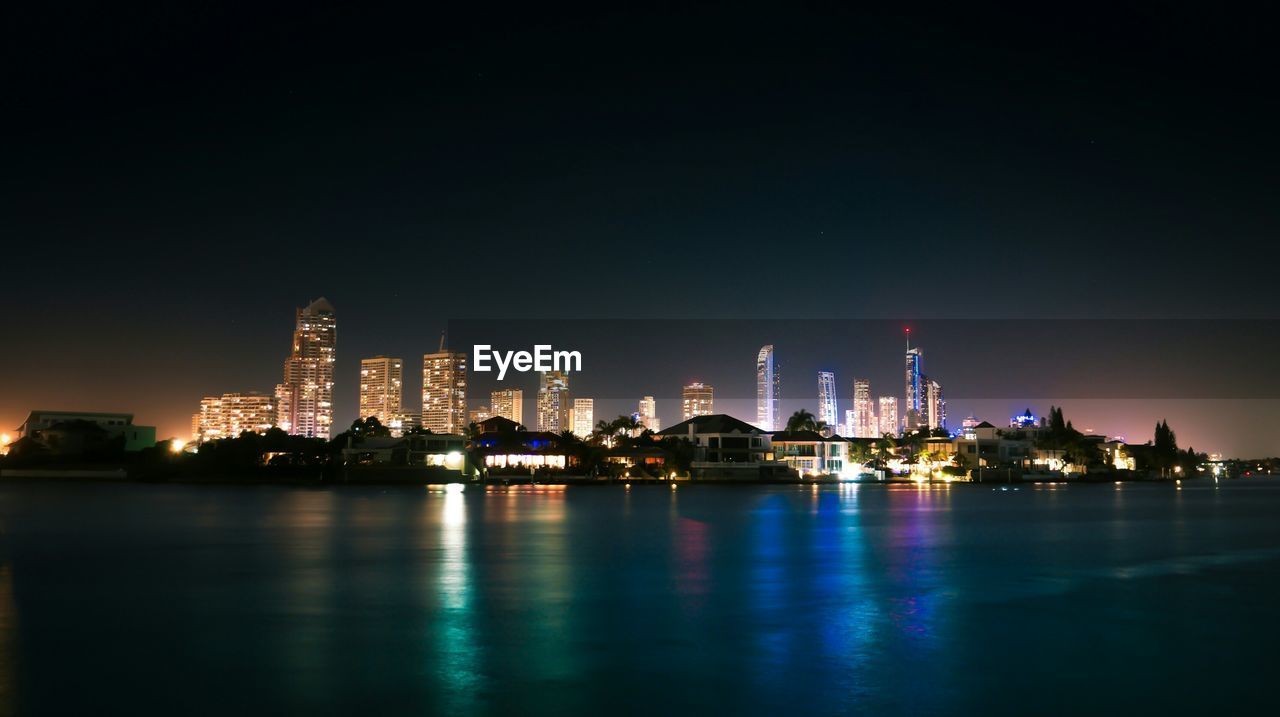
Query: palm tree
[
  {"x": 802, "y": 420},
  {"x": 859, "y": 453},
  {"x": 603, "y": 432}
]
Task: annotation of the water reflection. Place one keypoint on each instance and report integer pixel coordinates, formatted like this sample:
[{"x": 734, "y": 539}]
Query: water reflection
[
  {"x": 8, "y": 643},
  {"x": 460, "y": 676}
]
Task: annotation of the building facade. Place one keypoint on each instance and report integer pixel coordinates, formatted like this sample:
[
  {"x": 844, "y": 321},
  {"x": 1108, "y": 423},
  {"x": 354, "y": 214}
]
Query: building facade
[
  {"x": 444, "y": 391},
  {"x": 508, "y": 403},
  {"x": 697, "y": 399},
  {"x": 864, "y": 412},
  {"x": 889, "y": 416},
  {"x": 229, "y": 415},
  {"x": 768, "y": 385},
  {"x": 304, "y": 399},
  {"x": 648, "y": 414},
  {"x": 827, "y": 411},
  {"x": 381, "y": 388},
  {"x": 935, "y": 406},
  {"x": 403, "y": 422},
  {"x": 913, "y": 390},
  {"x": 553, "y": 402},
  {"x": 583, "y": 417}
]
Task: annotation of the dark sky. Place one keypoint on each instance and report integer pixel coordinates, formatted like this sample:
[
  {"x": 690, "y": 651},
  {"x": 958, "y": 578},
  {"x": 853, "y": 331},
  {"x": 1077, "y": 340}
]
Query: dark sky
[{"x": 178, "y": 177}]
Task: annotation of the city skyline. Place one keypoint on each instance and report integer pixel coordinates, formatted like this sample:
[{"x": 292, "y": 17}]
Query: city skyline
[{"x": 933, "y": 413}]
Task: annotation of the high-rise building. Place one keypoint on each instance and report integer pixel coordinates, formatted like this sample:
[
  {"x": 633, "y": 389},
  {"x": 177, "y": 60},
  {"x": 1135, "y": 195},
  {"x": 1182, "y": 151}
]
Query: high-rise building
[
  {"x": 768, "y": 389},
  {"x": 935, "y": 406},
  {"x": 553, "y": 401},
  {"x": 304, "y": 400},
  {"x": 846, "y": 428},
  {"x": 444, "y": 391},
  {"x": 864, "y": 415},
  {"x": 229, "y": 415},
  {"x": 697, "y": 399},
  {"x": 479, "y": 415},
  {"x": 508, "y": 403},
  {"x": 402, "y": 422},
  {"x": 889, "y": 415},
  {"x": 583, "y": 419},
  {"x": 913, "y": 398},
  {"x": 648, "y": 414},
  {"x": 827, "y": 411},
  {"x": 381, "y": 388}
]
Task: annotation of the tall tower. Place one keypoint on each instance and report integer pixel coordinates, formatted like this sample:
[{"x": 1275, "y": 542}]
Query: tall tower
[
  {"x": 508, "y": 403},
  {"x": 768, "y": 389},
  {"x": 583, "y": 417},
  {"x": 889, "y": 415},
  {"x": 444, "y": 390},
  {"x": 827, "y": 411},
  {"x": 935, "y": 405},
  {"x": 381, "y": 388},
  {"x": 304, "y": 399},
  {"x": 913, "y": 398},
  {"x": 649, "y": 414},
  {"x": 864, "y": 415},
  {"x": 697, "y": 399},
  {"x": 553, "y": 402}
]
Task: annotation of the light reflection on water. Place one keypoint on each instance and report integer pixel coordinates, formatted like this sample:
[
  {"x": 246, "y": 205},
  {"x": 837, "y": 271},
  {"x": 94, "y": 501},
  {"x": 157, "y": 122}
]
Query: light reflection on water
[{"x": 708, "y": 599}]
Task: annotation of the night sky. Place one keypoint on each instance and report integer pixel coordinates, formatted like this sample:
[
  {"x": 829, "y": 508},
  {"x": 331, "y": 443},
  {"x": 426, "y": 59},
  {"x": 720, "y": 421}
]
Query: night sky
[{"x": 179, "y": 178}]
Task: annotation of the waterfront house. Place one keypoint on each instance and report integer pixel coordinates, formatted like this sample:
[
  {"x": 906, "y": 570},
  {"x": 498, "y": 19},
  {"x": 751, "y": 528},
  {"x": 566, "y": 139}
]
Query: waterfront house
[
  {"x": 725, "y": 447},
  {"x": 810, "y": 453}
]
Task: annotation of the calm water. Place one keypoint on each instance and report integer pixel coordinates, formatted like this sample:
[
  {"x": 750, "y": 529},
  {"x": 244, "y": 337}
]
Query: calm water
[{"x": 707, "y": 600}]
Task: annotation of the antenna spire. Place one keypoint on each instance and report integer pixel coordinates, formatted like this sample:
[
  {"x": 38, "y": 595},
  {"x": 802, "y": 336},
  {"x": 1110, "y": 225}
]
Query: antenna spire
[{"x": 441, "y": 342}]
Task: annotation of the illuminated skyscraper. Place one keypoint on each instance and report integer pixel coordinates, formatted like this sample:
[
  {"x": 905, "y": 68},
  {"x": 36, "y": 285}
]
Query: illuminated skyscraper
[
  {"x": 508, "y": 403},
  {"x": 381, "y": 388},
  {"x": 479, "y": 415},
  {"x": 402, "y": 422},
  {"x": 229, "y": 415},
  {"x": 583, "y": 419},
  {"x": 935, "y": 406},
  {"x": 444, "y": 391},
  {"x": 889, "y": 415},
  {"x": 697, "y": 399},
  {"x": 304, "y": 400},
  {"x": 846, "y": 428},
  {"x": 864, "y": 416},
  {"x": 553, "y": 402},
  {"x": 913, "y": 398},
  {"x": 827, "y": 411},
  {"x": 768, "y": 390},
  {"x": 649, "y": 414}
]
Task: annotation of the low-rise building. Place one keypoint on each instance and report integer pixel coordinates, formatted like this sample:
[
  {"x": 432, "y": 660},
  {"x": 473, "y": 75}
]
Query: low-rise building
[
  {"x": 811, "y": 454},
  {"x": 50, "y": 427},
  {"x": 726, "y": 447},
  {"x": 502, "y": 444}
]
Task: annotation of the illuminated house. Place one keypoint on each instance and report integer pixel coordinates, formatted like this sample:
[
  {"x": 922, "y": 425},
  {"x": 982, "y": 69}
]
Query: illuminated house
[
  {"x": 809, "y": 453},
  {"x": 446, "y": 450},
  {"x": 501, "y": 443}
]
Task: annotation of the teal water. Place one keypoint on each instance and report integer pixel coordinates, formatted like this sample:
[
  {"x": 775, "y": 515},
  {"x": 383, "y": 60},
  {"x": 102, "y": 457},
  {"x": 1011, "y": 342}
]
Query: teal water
[{"x": 1094, "y": 599}]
